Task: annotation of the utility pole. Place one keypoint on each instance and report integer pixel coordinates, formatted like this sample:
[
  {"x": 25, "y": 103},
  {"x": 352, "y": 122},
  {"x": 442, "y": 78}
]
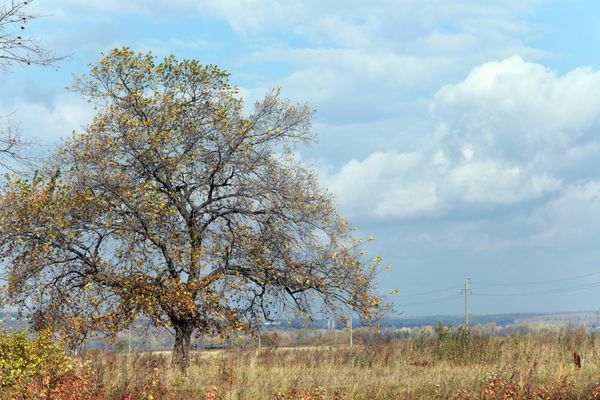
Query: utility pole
[
  {"x": 335, "y": 335},
  {"x": 129, "y": 340},
  {"x": 597, "y": 319},
  {"x": 350, "y": 322},
  {"x": 334, "y": 329},
  {"x": 466, "y": 289},
  {"x": 259, "y": 339}
]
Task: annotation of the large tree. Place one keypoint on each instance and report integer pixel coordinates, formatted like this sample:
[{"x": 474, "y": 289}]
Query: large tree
[{"x": 175, "y": 205}]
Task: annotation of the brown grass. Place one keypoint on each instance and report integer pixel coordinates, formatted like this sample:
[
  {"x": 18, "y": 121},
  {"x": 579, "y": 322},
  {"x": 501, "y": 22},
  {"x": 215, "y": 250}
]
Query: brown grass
[{"x": 445, "y": 365}]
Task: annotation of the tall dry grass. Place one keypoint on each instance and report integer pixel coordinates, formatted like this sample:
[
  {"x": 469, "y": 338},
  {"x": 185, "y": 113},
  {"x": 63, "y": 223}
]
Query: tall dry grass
[{"x": 442, "y": 364}]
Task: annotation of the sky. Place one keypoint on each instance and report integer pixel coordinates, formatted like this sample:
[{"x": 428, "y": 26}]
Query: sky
[{"x": 464, "y": 135}]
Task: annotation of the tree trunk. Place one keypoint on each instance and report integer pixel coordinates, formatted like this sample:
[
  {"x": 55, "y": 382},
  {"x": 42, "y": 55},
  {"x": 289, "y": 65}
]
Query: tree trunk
[{"x": 181, "y": 351}]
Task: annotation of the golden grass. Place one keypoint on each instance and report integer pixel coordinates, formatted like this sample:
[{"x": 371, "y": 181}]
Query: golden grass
[{"x": 445, "y": 366}]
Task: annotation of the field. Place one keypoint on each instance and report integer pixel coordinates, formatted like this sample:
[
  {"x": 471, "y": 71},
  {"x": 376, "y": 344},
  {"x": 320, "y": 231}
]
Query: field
[{"x": 442, "y": 365}]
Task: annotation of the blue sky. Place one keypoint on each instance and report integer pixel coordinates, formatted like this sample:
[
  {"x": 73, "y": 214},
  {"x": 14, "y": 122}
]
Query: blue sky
[{"x": 465, "y": 135}]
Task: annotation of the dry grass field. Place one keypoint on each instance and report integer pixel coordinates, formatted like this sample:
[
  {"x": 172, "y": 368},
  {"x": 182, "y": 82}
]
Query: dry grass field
[{"x": 443, "y": 366}]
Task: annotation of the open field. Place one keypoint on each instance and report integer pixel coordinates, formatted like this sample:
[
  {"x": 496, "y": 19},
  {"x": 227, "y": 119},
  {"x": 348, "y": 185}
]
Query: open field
[{"x": 443, "y": 366}]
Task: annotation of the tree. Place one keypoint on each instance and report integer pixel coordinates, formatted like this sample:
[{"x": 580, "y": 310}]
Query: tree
[
  {"x": 16, "y": 46},
  {"x": 175, "y": 205},
  {"x": 11, "y": 144}
]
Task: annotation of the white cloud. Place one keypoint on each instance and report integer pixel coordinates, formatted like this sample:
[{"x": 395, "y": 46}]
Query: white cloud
[
  {"x": 490, "y": 184},
  {"x": 359, "y": 180},
  {"x": 357, "y": 60},
  {"x": 267, "y": 15},
  {"x": 516, "y": 109},
  {"x": 566, "y": 221},
  {"x": 510, "y": 133},
  {"x": 243, "y": 15},
  {"x": 571, "y": 218},
  {"x": 389, "y": 69},
  {"x": 50, "y": 121},
  {"x": 419, "y": 199},
  {"x": 363, "y": 61},
  {"x": 421, "y": 185}
]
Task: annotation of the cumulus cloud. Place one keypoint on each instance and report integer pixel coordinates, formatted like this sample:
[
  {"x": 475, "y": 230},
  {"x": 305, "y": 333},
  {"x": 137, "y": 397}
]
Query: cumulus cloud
[
  {"x": 511, "y": 133},
  {"x": 490, "y": 183},
  {"x": 569, "y": 219},
  {"x": 514, "y": 109},
  {"x": 422, "y": 185},
  {"x": 375, "y": 184},
  {"x": 565, "y": 221},
  {"x": 365, "y": 61},
  {"x": 50, "y": 121}
]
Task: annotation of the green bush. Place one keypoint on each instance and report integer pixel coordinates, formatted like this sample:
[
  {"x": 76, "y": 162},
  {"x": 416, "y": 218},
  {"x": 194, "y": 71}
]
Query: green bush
[{"x": 30, "y": 360}]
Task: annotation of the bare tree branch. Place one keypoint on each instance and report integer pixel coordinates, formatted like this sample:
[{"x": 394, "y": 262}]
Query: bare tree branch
[{"x": 16, "y": 45}]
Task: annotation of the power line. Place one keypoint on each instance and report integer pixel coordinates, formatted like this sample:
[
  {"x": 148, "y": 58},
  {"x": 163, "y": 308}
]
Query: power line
[
  {"x": 558, "y": 290},
  {"x": 429, "y": 292},
  {"x": 434, "y": 301},
  {"x": 549, "y": 291},
  {"x": 537, "y": 282}
]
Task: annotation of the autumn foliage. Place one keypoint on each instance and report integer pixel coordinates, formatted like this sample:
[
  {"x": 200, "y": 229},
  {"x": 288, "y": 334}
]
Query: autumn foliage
[
  {"x": 176, "y": 206},
  {"x": 38, "y": 368}
]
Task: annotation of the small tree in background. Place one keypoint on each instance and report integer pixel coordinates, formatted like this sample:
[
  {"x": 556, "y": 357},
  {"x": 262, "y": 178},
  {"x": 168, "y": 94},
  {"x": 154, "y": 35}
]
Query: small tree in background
[
  {"x": 17, "y": 47},
  {"x": 11, "y": 143},
  {"x": 176, "y": 206}
]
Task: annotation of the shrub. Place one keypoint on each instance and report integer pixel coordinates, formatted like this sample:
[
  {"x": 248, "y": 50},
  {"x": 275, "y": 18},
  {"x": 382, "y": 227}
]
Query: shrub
[
  {"x": 37, "y": 367},
  {"x": 25, "y": 359}
]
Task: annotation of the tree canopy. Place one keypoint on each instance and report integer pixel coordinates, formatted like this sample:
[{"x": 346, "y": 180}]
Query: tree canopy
[{"x": 175, "y": 205}]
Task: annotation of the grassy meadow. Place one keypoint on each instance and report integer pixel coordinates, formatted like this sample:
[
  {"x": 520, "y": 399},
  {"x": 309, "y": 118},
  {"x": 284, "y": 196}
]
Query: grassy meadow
[{"x": 442, "y": 365}]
